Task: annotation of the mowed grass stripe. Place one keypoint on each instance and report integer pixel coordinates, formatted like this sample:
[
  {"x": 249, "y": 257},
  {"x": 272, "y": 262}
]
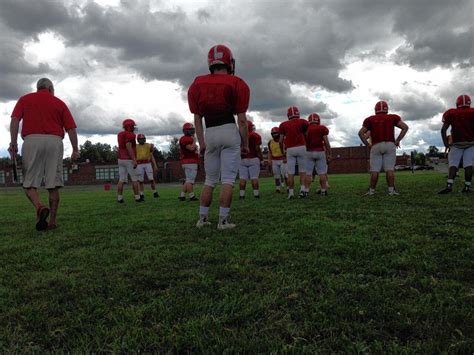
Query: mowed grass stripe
[{"x": 329, "y": 274}]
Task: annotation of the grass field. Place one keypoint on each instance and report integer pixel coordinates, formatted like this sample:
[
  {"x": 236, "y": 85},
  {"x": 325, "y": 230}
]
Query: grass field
[{"x": 342, "y": 273}]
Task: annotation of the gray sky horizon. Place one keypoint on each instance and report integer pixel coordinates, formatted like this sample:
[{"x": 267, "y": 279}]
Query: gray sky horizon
[{"x": 112, "y": 59}]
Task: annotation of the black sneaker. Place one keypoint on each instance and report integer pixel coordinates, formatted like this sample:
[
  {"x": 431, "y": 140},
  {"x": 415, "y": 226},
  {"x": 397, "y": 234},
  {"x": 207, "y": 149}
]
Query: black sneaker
[
  {"x": 155, "y": 194},
  {"x": 256, "y": 196},
  {"x": 323, "y": 193},
  {"x": 241, "y": 197},
  {"x": 466, "y": 189},
  {"x": 194, "y": 198},
  {"x": 182, "y": 198},
  {"x": 120, "y": 201},
  {"x": 142, "y": 198},
  {"x": 446, "y": 190}
]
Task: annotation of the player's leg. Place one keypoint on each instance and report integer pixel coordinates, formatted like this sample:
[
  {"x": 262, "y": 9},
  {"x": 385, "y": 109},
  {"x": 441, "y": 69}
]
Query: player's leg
[
  {"x": 454, "y": 158},
  {"x": 291, "y": 165},
  {"x": 322, "y": 169},
  {"x": 254, "y": 173},
  {"x": 276, "y": 171},
  {"x": 191, "y": 173},
  {"x": 468, "y": 161},
  {"x": 53, "y": 178},
  {"x": 388, "y": 161},
  {"x": 244, "y": 175},
  {"x": 309, "y": 166},
  {"x": 376, "y": 161},
  {"x": 301, "y": 158},
  {"x": 151, "y": 179},
  {"x": 134, "y": 176},
  {"x": 212, "y": 165}
]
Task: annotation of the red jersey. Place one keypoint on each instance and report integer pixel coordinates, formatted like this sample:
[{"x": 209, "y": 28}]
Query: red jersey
[
  {"x": 186, "y": 156},
  {"x": 461, "y": 121},
  {"x": 314, "y": 137},
  {"x": 382, "y": 127},
  {"x": 43, "y": 113},
  {"x": 254, "y": 141},
  {"x": 294, "y": 131},
  {"x": 217, "y": 97},
  {"x": 123, "y": 138}
]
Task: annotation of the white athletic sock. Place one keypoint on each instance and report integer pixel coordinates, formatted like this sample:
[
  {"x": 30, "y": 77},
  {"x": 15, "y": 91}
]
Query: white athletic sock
[
  {"x": 291, "y": 192},
  {"x": 450, "y": 181},
  {"x": 223, "y": 213},
  {"x": 137, "y": 197},
  {"x": 191, "y": 194},
  {"x": 203, "y": 212},
  {"x": 371, "y": 189},
  {"x": 467, "y": 183},
  {"x": 142, "y": 193},
  {"x": 119, "y": 197},
  {"x": 391, "y": 188},
  {"x": 182, "y": 194},
  {"x": 256, "y": 192},
  {"x": 242, "y": 193},
  {"x": 278, "y": 187}
]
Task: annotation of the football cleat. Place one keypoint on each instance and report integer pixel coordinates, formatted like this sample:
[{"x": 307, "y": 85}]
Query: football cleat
[
  {"x": 466, "y": 189},
  {"x": 256, "y": 196},
  {"x": 120, "y": 201},
  {"x": 202, "y": 222},
  {"x": 278, "y": 191},
  {"x": 182, "y": 198},
  {"x": 155, "y": 194},
  {"x": 446, "y": 190},
  {"x": 241, "y": 197},
  {"x": 142, "y": 198},
  {"x": 225, "y": 224},
  {"x": 42, "y": 215},
  {"x": 194, "y": 198},
  {"x": 291, "y": 197},
  {"x": 393, "y": 193},
  {"x": 323, "y": 193},
  {"x": 369, "y": 193}
]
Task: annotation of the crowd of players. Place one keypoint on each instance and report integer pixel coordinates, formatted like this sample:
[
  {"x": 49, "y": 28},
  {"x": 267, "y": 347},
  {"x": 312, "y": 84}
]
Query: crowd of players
[{"x": 228, "y": 146}]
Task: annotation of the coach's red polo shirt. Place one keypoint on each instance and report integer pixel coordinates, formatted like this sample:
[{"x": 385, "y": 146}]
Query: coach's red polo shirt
[{"x": 43, "y": 113}]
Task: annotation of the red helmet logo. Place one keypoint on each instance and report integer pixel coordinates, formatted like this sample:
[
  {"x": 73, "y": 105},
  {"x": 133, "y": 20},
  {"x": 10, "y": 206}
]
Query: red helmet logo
[
  {"x": 381, "y": 107},
  {"x": 220, "y": 54},
  {"x": 463, "y": 101},
  {"x": 128, "y": 123},
  {"x": 293, "y": 112},
  {"x": 314, "y": 118}
]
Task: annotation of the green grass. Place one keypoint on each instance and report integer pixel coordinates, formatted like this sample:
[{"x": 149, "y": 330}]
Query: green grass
[{"x": 342, "y": 273}]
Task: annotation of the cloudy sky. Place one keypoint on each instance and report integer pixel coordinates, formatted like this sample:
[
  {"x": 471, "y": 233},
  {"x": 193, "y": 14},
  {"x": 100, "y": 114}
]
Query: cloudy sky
[{"x": 114, "y": 59}]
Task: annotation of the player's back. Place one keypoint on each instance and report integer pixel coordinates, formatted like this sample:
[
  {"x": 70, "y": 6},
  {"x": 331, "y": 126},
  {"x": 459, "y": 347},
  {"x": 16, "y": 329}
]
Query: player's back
[{"x": 462, "y": 123}]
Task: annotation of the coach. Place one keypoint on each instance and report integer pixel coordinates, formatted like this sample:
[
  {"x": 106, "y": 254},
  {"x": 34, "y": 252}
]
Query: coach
[{"x": 45, "y": 118}]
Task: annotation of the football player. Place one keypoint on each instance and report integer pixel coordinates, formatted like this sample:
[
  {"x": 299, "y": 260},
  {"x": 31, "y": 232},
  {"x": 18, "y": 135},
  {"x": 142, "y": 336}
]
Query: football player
[
  {"x": 189, "y": 157},
  {"x": 217, "y": 97},
  {"x": 461, "y": 121},
  {"x": 318, "y": 152},
  {"x": 127, "y": 159},
  {"x": 146, "y": 164},
  {"x": 250, "y": 163},
  {"x": 276, "y": 159},
  {"x": 292, "y": 132},
  {"x": 383, "y": 146}
]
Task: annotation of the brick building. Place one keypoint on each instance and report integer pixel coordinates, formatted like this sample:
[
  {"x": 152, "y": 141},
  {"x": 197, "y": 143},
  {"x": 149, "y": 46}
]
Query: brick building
[{"x": 344, "y": 160}]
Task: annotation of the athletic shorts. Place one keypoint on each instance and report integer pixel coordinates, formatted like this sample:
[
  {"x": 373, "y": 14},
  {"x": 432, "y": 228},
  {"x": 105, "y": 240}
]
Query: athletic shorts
[
  {"x": 249, "y": 169},
  {"x": 296, "y": 155},
  {"x": 125, "y": 169},
  {"x": 190, "y": 172},
  {"x": 456, "y": 154},
  {"x": 317, "y": 158},
  {"x": 279, "y": 169},
  {"x": 383, "y": 154},
  {"x": 222, "y": 156},
  {"x": 143, "y": 169},
  {"x": 42, "y": 159}
]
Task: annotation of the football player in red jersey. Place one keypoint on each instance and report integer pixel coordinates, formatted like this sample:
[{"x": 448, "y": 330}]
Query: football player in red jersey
[
  {"x": 250, "y": 163},
  {"x": 292, "y": 132},
  {"x": 383, "y": 145},
  {"x": 461, "y": 121},
  {"x": 217, "y": 97},
  {"x": 318, "y": 152},
  {"x": 127, "y": 159},
  {"x": 189, "y": 157}
]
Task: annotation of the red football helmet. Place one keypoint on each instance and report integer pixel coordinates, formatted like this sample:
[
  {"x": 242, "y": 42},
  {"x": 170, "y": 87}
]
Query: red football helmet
[
  {"x": 129, "y": 124},
  {"x": 275, "y": 132},
  {"x": 381, "y": 107},
  {"x": 293, "y": 112},
  {"x": 463, "y": 101},
  {"x": 250, "y": 126},
  {"x": 188, "y": 129},
  {"x": 314, "y": 118},
  {"x": 220, "y": 54},
  {"x": 140, "y": 136}
]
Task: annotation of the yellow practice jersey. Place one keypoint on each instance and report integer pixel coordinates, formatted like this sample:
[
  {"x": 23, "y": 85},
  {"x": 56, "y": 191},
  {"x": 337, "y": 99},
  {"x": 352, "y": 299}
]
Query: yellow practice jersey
[
  {"x": 144, "y": 151},
  {"x": 275, "y": 150}
]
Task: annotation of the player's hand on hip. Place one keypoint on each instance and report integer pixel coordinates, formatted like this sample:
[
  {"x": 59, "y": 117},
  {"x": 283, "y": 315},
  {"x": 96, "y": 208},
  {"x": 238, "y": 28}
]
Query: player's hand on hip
[{"x": 397, "y": 143}]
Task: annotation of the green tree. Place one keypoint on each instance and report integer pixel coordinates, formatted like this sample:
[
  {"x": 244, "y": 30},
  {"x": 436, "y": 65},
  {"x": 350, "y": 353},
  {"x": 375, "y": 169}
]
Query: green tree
[
  {"x": 98, "y": 152},
  {"x": 420, "y": 159},
  {"x": 174, "y": 151},
  {"x": 433, "y": 151}
]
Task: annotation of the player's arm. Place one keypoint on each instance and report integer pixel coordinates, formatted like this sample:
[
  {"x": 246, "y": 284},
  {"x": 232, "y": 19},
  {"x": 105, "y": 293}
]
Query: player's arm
[
  {"x": 259, "y": 152},
  {"x": 14, "y": 129},
  {"x": 444, "y": 136},
  {"x": 200, "y": 133},
  {"x": 328, "y": 147},
  {"x": 362, "y": 135},
  {"x": 269, "y": 154},
  {"x": 404, "y": 129},
  {"x": 131, "y": 153},
  {"x": 243, "y": 129},
  {"x": 153, "y": 161},
  {"x": 71, "y": 132}
]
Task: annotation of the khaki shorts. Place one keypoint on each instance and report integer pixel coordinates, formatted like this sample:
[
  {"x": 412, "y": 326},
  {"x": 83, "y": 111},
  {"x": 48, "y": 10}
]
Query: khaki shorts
[{"x": 42, "y": 159}]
